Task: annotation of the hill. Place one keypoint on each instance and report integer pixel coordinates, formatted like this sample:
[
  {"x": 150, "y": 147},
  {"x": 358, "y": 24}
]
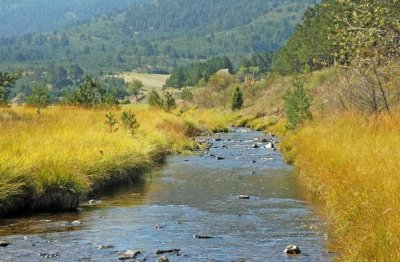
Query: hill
[
  {"x": 56, "y": 14},
  {"x": 158, "y": 35}
]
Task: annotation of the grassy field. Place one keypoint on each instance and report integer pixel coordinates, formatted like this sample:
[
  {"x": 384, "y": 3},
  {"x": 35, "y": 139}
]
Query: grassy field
[
  {"x": 71, "y": 150},
  {"x": 353, "y": 163},
  {"x": 150, "y": 81}
]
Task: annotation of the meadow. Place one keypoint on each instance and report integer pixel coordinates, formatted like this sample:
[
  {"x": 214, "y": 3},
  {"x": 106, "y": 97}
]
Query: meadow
[
  {"x": 63, "y": 153},
  {"x": 352, "y": 162}
]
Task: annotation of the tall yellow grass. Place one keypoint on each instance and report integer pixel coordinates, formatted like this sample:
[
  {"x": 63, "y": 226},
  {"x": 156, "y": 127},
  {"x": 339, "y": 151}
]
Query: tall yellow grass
[
  {"x": 353, "y": 162},
  {"x": 73, "y": 149}
]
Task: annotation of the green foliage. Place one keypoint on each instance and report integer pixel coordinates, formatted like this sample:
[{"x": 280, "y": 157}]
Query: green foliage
[
  {"x": 139, "y": 37},
  {"x": 39, "y": 98},
  {"x": 237, "y": 99},
  {"x": 155, "y": 99},
  {"x": 91, "y": 94},
  {"x": 7, "y": 81},
  {"x": 111, "y": 121},
  {"x": 169, "y": 101},
  {"x": 129, "y": 121},
  {"x": 309, "y": 48},
  {"x": 186, "y": 94},
  {"x": 192, "y": 74},
  {"x": 262, "y": 61},
  {"x": 297, "y": 105},
  {"x": 135, "y": 88},
  {"x": 366, "y": 31}
]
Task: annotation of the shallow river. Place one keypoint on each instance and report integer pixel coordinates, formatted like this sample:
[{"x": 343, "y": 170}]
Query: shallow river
[{"x": 188, "y": 196}]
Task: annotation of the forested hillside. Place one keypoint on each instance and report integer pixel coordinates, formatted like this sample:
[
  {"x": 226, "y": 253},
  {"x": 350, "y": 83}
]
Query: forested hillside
[
  {"x": 161, "y": 34},
  {"x": 18, "y": 17}
]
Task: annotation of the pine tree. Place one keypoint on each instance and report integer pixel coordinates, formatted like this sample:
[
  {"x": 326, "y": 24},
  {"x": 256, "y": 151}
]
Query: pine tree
[
  {"x": 237, "y": 99},
  {"x": 297, "y": 105}
]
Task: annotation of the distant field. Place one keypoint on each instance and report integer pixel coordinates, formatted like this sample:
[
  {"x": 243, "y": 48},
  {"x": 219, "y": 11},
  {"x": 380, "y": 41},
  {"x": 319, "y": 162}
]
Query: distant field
[{"x": 150, "y": 81}]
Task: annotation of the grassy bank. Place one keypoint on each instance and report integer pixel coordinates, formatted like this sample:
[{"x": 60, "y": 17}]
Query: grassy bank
[
  {"x": 69, "y": 152},
  {"x": 353, "y": 163}
]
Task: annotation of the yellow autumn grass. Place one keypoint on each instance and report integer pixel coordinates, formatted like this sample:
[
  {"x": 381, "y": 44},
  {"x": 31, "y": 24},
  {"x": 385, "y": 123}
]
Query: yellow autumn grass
[
  {"x": 353, "y": 162},
  {"x": 73, "y": 149}
]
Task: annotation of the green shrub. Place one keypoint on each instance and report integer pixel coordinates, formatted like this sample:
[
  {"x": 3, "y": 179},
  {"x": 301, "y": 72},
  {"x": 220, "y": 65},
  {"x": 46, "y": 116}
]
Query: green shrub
[
  {"x": 297, "y": 105},
  {"x": 129, "y": 121}
]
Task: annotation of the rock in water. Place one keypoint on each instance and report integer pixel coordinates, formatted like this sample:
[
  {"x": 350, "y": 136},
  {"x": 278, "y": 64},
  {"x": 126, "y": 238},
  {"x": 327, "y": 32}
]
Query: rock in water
[
  {"x": 103, "y": 247},
  {"x": 244, "y": 197},
  {"x": 76, "y": 223},
  {"x": 292, "y": 250},
  {"x": 129, "y": 254},
  {"x": 4, "y": 244},
  {"x": 255, "y": 146},
  {"x": 172, "y": 251},
  {"x": 198, "y": 236},
  {"x": 162, "y": 259},
  {"x": 220, "y": 158},
  {"x": 270, "y": 146}
]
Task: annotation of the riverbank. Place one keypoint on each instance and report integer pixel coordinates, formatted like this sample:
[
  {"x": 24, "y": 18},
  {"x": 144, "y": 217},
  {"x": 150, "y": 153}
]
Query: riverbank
[
  {"x": 352, "y": 162},
  {"x": 49, "y": 161}
]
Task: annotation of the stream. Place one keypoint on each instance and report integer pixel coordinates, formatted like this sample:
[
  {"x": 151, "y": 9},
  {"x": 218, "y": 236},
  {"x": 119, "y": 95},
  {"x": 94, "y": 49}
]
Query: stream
[{"x": 188, "y": 196}]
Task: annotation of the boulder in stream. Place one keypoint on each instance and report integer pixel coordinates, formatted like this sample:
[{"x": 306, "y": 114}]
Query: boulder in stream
[
  {"x": 129, "y": 254},
  {"x": 4, "y": 244},
  {"x": 244, "y": 197},
  {"x": 199, "y": 236},
  {"x": 292, "y": 250},
  {"x": 162, "y": 259},
  {"x": 171, "y": 251}
]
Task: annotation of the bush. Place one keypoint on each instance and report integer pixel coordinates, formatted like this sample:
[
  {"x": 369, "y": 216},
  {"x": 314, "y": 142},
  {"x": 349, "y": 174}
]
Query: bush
[
  {"x": 297, "y": 105},
  {"x": 129, "y": 121},
  {"x": 39, "y": 98},
  {"x": 169, "y": 101},
  {"x": 155, "y": 99}
]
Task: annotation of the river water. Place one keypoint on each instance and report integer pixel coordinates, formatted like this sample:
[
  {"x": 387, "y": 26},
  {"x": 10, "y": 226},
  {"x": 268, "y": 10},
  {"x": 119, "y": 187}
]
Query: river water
[{"x": 190, "y": 195}]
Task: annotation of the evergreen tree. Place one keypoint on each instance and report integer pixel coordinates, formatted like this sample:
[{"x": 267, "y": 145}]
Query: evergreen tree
[
  {"x": 169, "y": 101},
  {"x": 7, "y": 80},
  {"x": 39, "y": 98},
  {"x": 297, "y": 105},
  {"x": 155, "y": 99},
  {"x": 237, "y": 99}
]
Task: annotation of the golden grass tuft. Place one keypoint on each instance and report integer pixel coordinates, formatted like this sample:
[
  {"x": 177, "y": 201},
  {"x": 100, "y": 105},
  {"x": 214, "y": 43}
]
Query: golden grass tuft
[
  {"x": 353, "y": 162},
  {"x": 72, "y": 149}
]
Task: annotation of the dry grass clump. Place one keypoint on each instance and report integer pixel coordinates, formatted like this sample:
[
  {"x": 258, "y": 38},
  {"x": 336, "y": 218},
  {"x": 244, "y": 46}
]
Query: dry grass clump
[
  {"x": 72, "y": 149},
  {"x": 353, "y": 162}
]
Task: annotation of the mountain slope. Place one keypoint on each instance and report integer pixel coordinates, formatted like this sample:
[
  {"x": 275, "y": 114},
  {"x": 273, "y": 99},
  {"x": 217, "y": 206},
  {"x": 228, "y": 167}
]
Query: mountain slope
[
  {"x": 18, "y": 17},
  {"x": 161, "y": 34}
]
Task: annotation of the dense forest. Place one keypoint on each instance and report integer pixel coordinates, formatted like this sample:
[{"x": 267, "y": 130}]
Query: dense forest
[
  {"x": 160, "y": 35},
  {"x": 56, "y": 14}
]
